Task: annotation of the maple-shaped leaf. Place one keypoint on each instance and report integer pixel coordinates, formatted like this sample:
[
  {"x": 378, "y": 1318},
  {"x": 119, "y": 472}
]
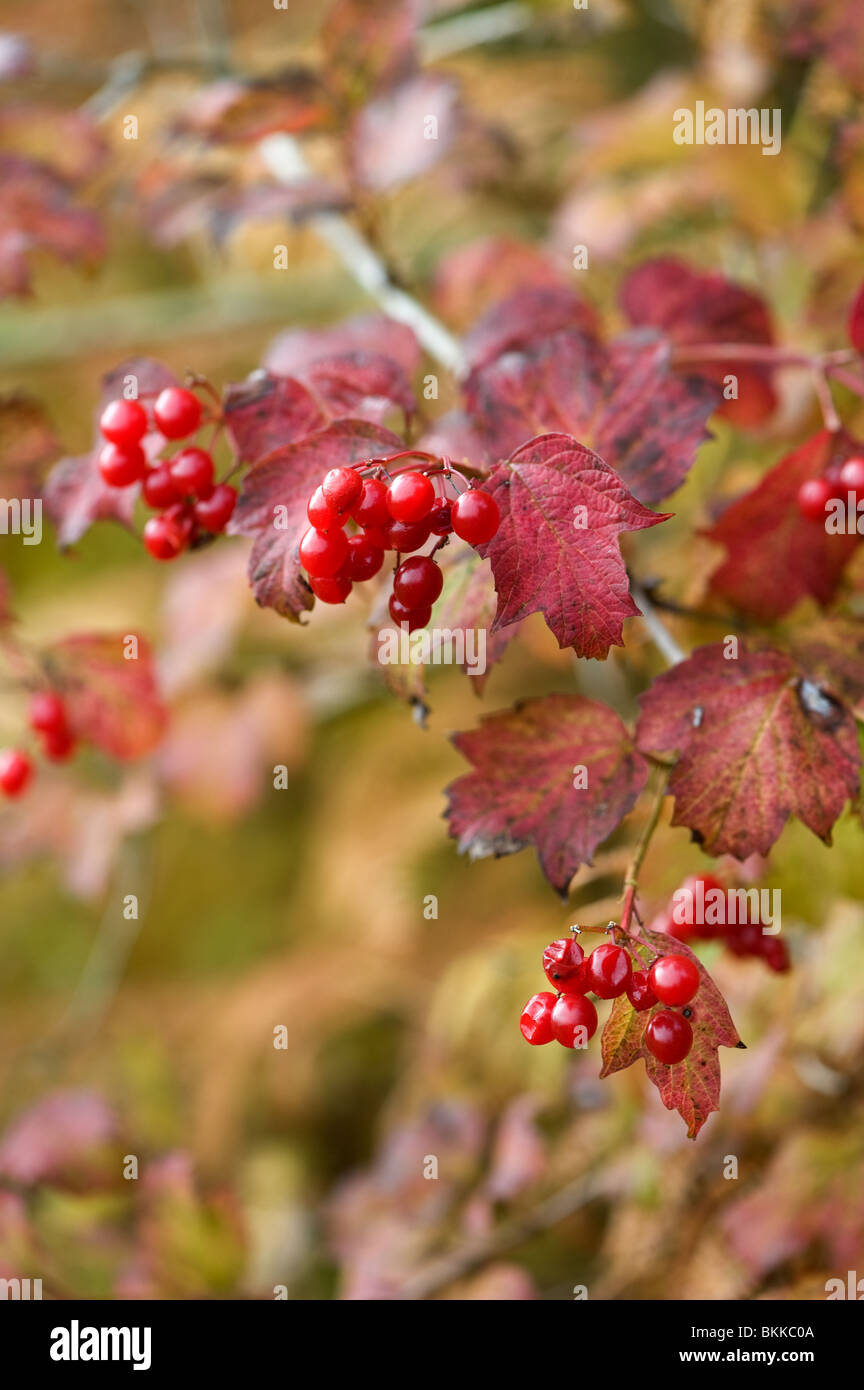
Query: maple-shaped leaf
[
  {"x": 558, "y": 773},
  {"x": 112, "y": 698},
  {"x": 37, "y": 210},
  {"x": 691, "y": 1087},
  {"x": 856, "y": 321},
  {"x": 693, "y": 308},
  {"x": 295, "y": 350},
  {"x": 756, "y": 740},
  {"x": 266, "y": 412},
  {"x": 526, "y": 317},
  {"x": 235, "y": 112},
  {"x": 272, "y": 505},
  {"x": 556, "y": 550},
  {"x": 622, "y": 400},
  {"x": 775, "y": 557},
  {"x": 472, "y": 277}
]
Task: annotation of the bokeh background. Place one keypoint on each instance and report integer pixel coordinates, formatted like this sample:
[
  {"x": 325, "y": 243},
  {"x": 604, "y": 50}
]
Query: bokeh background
[{"x": 303, "y": 1167}]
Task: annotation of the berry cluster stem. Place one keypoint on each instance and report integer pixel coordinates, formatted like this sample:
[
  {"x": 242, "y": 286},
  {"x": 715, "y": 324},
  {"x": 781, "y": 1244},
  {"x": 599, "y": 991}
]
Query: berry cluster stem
[{"x": 631, "y": 877}]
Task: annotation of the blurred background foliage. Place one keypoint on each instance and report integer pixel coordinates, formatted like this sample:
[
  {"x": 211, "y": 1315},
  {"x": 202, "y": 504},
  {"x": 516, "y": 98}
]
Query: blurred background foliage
[{"x": 303, "y": 1166}]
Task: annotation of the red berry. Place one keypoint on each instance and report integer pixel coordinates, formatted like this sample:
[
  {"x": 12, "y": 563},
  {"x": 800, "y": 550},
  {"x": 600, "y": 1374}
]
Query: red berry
[
  {"x": 16, "y": 769},
  {"x": 342, "y": 487},
  {"x": 745, "y": 938},
  {"x": 476, "y": 517},
  {"x": 47, "y": 713},
  {"x": 371, "y": 508},
  {"x": 674, "y": 979},
  {"x": 177, "y": 412},
  {"x": 609, "y": 970},
  {"x": 775, "y": 954},
  {"x": 573, "y": 1011},
  {"x": 418, "y": 582},
  {"x": 158, "y": 488},
  {"x": 164, "y": 537},
  {"x": 321, "y": 515},
  {"x": 813, "y": 497},
  {"x": 562, "y": 962},
  {"x": 364, "y": 558},
  {"x": 214, "y": 512},
  {"x": 414, "y": 617},
  {"x": 377, "y": 536},
  {"x": 323, "y": 553},
  {"x": 121, "y": 464},
  {"x": 411, "y": 497},
  {"x": 669, "y": 1037},
  {"x": 536, "y": 1020},
  {"x": 123, "y": 422},
  {"x": 58, "y": 745},
  {"x": 192, "y": 472},
  {"x": 334, "y": 590},
  {"x": 440, "y": 519},
  {"x": 406, "y": 536},
  {"x": 852, "y": 475},
  {"x": 639, "y": 991}
]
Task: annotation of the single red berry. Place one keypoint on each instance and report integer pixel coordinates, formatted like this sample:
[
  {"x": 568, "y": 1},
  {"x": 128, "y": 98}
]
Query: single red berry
[
  {"x": 334, "y": 590},
  {"x": 321, "y": 515},
  {"x": 16, "y": 769},
  {"x": 775, "y": 954},
  {"x": 852, "y": 475},
  {"x": 406, "y": 536},
  {"x": 58, "y": 745},
  {"x": 704, "y": 897},
  {"x": 744, "y": 938},
  {"x": 571, "y": 1013},
  {"x": 181, "y": 514},
  {"x": 323, "y": 553},
  {"x": 377, "y": 536},
  {"x": 414, "y": 617},
  {"x": 371, "y": 508},
  {"x": 639, "y": 991},
  {"x": 364, "y": 558},
  {"x": 47, "y": 713},
  {"x": 177, "y": 412},
  {"x": 121, "y": 464},
  {"x": 669, "y": 1037},
  {"x": 417, "y": 582},
  {"x": 164, "y": 537},
  {"x": 123, "y": 422},
  {"x": 411, "y": 497},
  {"x": 214, "y": 512},
  {"x": 476, "y": 517},
  {"x": 440, "y": 519},
  {"x": 158, "y": 488},
  {"x": 192, "y": 472},
  {"x": 562, "y": 962},
  {"x": 813, "y": 497},
  {"x": 341, "y": 488},
  {"x": 609, "y": 970},
  {"x": 536, "y": 1020},
  {"x": 674, "y": 979}
]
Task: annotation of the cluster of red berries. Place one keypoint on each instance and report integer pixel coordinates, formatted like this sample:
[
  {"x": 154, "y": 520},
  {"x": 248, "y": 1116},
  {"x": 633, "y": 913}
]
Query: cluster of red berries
[
  {"x": 608, "y": 971},
  {"x": 835, "y": 485},
  {"x": 48, "y": 719},
  {"x": 399, "y": 514},
  {"x": 743, "y": 938},
  {"x": 190, "y": 505}
]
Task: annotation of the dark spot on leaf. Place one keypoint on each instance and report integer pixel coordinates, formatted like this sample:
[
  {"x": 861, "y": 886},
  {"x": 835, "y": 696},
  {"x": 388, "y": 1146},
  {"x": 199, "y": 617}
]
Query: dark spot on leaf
[{"x": 822, "y": 709}]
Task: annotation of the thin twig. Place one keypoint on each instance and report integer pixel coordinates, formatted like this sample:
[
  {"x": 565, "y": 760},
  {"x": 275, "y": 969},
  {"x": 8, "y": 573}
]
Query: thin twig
[
  {"x": 660, "y": 634},
  {"x": 631, "y": 877}
]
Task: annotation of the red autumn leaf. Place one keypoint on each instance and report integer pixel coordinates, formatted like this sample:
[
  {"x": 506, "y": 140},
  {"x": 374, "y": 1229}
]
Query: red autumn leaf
[
  {"x": 473, "y": 277},
  {"x": 556, "y": 550},
  {"x": 453, "y": 434},
  {"x": 833, "y": 650},
  {"x": 622, "y": 400},
  {"x": 266, "y": 412},
  {"x": 691, "y": 1087},
  {"x": 856, "y": 321},
  {"x": 272, "y": 505},
  {"x": 527, "y": 784},
  {"x": 776, "y": 557},
  {"x": 757, "y": 741},
  {"x": 233, "y": 112},
  {"x": 362, "y": 385},
  {"x": 292, "y": 352},
  {"x": 37, "y": 211},
  {"x": 693, "y": 308},
  {"x": 389, "y": 141},
  {"x": 527, "y": 317},
  {"x": 112, "y": 700}
]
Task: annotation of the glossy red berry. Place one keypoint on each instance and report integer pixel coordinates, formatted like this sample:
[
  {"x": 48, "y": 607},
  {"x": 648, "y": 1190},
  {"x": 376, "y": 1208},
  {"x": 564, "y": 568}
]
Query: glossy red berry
[
  {"x": 47, "y": 712},
  {"x": 158, "y": 489},
  {"x": 364, "y": 558},
  {"x": 406, "y": 536},
  {"x": 476, "y": 517},
  {"x": 411, "y": 497},
  {"x": 371, "y": 508},
  {"x": 123, "y": 422},
  {"x": 177, "y": 412},
  {"x": 192, "y": 472},
  {"x": 562, "y": 963},
  {"x": 323, "y": 553},
  {"x": 440, "y": 519},
  {"x": 813, "y": 497},
  {"x": 164, "y": 537},
  {"x": 342, "y": 487},
  {"x": 639, "y": 991},
  {"x": 669, "y": 1037},
  {"x": 674, "y": 979},
  {"x": 418, "y": 581},
  {"x": 377, "y": 536},
  {"x": 321, "y": 515},
  {"x": 744, "y": 938},
  {"x": 414, "y": 617},
  {"x": 775, "y": 954},
  {"x": 334, "y": 590},
  {"x": 121, "y": 464},
  {"x": 571, "y": 1013},
  {"x": 16, "y": 769},
  {"x": 536, "y": 1020},
  {"x": 609, "y": 969},
  {"x": 58, "y": 745},
  {"x": 852, "y": 475},
  {"x": 214, "y": 512}
]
